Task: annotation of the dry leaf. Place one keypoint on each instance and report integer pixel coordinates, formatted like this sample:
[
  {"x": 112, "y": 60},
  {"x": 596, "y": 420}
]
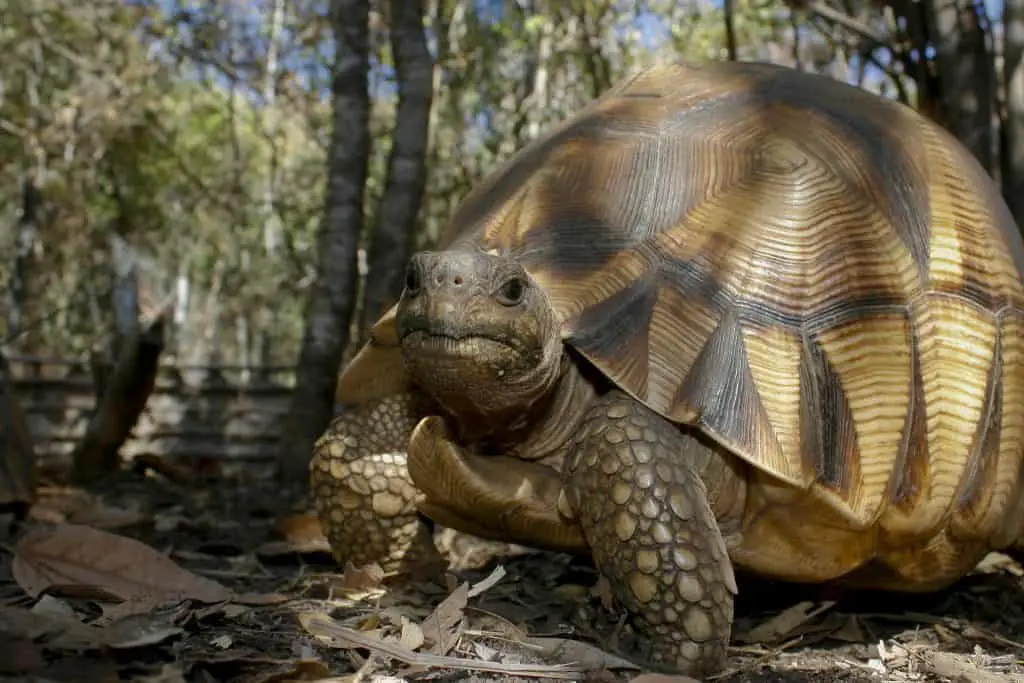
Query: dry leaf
[
  {"x": 994, "y": 563},
  {"x": 60, "y": 504},
  {"x": 494, "y": 577},
  {"x": 303, "y": 530},
  {"x": 169, "y": 673},
  {"x": 662, "y": 678},
  {"x": 783, "y": 623},
  {"x": 120, "y": 567},
  {"x": 300, "y": 534},
  {"x": 259, "y": 598},
  {"x": 440, "y": 627},
  {"x": 19, "y": 656},
  {"x": 64, "y": 633},
  {"x": 99, "y": 515},
  {"x": 961, "y": 668},
  {"x": 577, "y": 653},
  {"x": 166, "y": 522},
  {"x": 52, "y": 606},
  {"x": 117, "y": 611},
  {"x": 412, "y": 635},
  {"x": 364, "y": 577},
  {"x": 484, "y": 652},
  {"x": 850, "y": 631},
  {"x": 55, "y": 631},
  {"x": 138, "y": 631},
  {"x": 288, "y": 672}
]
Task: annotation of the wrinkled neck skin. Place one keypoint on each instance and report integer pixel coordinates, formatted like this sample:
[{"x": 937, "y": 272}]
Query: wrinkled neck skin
[
  {"x": 546, "y": 432},
  {"x": 532, "y": 417}
]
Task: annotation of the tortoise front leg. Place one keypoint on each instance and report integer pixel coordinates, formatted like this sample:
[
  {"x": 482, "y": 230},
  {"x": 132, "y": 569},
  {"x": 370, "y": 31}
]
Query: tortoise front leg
[
  {"x": 644, "y": 510},
  {"x": 499, "y": 497},
  {"x": 365, "y": 498}
]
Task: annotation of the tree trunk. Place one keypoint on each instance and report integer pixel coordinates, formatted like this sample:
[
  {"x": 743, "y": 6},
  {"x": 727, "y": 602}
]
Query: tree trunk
[
  {"x": 729, "y": 10},
  {"x": 24, "y": 246},
  {"x": 540, "y": 95},
  {"x": 332, "y": 300},
  {"x": 966, "y": 74},
  {"x": 127, "y": 390},
  {"x": 406, "y": 175},
  {"x": 1013, "y": 127},
  {"x": 123, "y": 384},
  {"x": 17, "y": 461}
]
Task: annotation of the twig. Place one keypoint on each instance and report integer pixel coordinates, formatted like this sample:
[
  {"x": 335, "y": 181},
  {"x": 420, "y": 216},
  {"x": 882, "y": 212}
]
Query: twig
[{"x": 336, "y": 635}]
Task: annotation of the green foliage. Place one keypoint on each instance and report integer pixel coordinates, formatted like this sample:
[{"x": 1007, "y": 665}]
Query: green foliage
[{"x": 197, "y": 131}]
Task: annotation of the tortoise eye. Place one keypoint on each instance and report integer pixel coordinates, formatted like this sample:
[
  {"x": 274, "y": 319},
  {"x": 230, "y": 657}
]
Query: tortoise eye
[
  {"x": 511, "y": 293},
  {"x": 412, "y": 279}
]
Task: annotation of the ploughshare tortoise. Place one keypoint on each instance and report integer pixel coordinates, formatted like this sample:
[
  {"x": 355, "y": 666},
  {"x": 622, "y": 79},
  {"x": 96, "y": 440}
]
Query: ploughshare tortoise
[{"x": 726, "y": 315}]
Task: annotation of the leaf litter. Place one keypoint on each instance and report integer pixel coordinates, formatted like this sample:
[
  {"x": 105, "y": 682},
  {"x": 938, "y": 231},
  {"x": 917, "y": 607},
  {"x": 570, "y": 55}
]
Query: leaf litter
[{"x": 149, "y": 580}]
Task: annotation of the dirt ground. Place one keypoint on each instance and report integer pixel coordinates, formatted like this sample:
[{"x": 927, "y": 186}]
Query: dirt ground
[{"x": 233, "y": 584}]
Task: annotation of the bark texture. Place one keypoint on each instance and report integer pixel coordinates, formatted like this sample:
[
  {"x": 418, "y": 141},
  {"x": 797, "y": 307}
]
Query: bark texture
[
  {"x": 394, "y": 233},
  {"x": 333, "y": 298}
]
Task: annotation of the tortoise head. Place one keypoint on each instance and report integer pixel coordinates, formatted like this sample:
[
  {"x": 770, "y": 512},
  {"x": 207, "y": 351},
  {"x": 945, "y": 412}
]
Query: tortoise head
[{"x": 477, "y": 332}]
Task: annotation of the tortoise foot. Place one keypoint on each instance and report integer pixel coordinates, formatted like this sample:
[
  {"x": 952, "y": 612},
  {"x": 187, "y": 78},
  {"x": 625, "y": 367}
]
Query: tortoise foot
[
  {"x": 644, "y": 511},
  {"x": 364, "y": 496}
]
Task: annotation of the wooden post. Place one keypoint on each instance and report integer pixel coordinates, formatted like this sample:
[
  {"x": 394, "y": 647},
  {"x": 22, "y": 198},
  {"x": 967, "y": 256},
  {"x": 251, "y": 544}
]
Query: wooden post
[{"x": 17, "y": 452}]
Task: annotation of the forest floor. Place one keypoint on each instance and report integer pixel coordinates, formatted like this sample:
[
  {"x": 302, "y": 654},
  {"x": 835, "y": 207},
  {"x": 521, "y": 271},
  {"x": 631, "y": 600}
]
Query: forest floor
[{"x": 209, "y": 576}]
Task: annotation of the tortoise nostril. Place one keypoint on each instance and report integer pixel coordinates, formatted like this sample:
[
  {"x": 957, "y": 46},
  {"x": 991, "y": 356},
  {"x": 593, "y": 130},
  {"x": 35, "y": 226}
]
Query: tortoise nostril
[
  {"x": 412, "y": 279},
  {"x": 457, "y": 280}
]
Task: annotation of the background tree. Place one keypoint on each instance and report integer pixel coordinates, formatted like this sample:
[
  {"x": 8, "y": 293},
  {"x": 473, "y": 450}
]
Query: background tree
[
  {"x": 405, "y": 178},
  {"x": 333, "y": 300}
]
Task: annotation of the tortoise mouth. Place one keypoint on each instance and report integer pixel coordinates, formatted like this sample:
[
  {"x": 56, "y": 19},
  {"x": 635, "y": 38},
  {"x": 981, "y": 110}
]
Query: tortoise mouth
[{"x": 457, "y": 343}]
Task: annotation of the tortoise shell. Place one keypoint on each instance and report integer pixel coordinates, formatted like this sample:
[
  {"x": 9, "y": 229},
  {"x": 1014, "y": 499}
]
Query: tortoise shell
[{"x": 821, "y": 280}]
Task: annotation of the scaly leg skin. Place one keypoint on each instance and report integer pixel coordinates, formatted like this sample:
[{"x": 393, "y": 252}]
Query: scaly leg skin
[
  {"x": 645, "y": 513},
  {"x": 365, "y": 498}
]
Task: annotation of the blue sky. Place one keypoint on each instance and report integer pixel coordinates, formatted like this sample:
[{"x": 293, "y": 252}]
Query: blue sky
[{"x": 652, "y": 30}]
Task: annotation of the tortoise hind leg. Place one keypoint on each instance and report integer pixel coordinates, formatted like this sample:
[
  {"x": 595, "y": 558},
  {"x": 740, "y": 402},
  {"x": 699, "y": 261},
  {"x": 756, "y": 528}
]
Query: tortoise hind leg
[
  {"x": 365, "y": 498},
  {"x": 645, "y": 513}
]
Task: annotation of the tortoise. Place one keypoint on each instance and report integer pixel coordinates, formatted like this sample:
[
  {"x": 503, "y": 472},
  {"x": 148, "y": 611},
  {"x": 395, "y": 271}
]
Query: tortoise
[{"x": 727, "y": 315}]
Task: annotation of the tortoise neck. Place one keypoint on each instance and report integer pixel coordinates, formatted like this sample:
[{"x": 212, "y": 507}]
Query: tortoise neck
[
  {"x": 526, "y": 429},
  {"x": 540, "y": 429},
  {"x": 548, "y": 435}
]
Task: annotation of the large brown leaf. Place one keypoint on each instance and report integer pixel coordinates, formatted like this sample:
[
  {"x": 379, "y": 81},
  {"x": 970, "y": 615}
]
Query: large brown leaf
[{"x": 80, "y": 559}]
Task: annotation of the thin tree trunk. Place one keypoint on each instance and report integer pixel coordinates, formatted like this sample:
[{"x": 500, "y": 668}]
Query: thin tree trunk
[
  {"x": 966, "y": 74},
  {"x": 17, "y": 450},
  {"x": 1013, "y": 126},
  {"x": 24, "y": 244},
  {"x": 540, "y": 97},
  {"x": 126, "y": 392},
  {"x": 406, "y": 176},
  {"x": 332, "y": 300},
  {"x": 122, "y": 387},
  {"x": 272, "y": 229},
  {"x": 729, "y": 10}
]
